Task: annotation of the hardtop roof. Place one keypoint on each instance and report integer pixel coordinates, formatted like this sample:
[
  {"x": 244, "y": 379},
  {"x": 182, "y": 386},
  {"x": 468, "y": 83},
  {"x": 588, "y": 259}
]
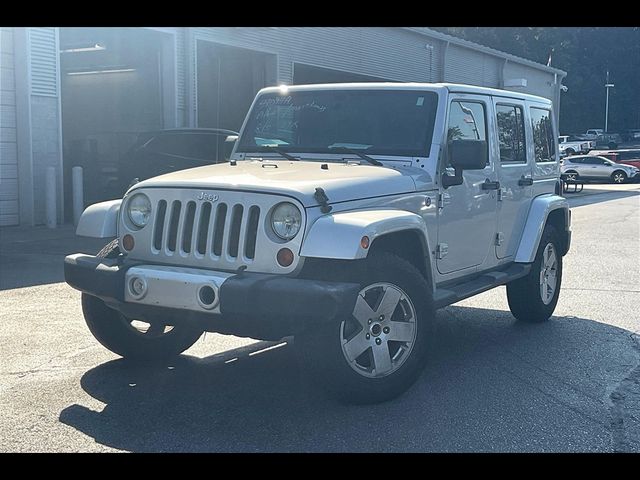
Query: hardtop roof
[{"x": 450, "y": 87}]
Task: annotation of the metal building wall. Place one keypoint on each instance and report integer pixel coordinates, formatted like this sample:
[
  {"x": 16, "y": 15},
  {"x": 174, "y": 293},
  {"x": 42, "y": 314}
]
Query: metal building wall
[
  {"x": 392, "y": 53},
  {"x": 463, "y": 65},
  {"x": 46, "y": 147},
  {"x": 36, "y": 106},
  {"x": 538, "y": 82},
  {"x": 181, "y": 60},
  {"x": 8, "y": 143}
]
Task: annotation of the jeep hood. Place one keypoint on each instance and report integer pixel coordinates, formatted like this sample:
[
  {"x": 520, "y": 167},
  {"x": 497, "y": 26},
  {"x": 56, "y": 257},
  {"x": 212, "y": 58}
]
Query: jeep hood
[{"x": 341, "y": 182}]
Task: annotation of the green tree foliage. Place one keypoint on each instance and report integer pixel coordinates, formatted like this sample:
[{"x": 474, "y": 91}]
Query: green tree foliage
[{"x": 585, "y": 53}]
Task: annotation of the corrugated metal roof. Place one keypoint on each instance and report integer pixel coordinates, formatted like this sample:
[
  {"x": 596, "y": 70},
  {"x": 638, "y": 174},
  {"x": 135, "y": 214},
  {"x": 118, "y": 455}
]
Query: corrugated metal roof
[{"x": 488, "y": 50}]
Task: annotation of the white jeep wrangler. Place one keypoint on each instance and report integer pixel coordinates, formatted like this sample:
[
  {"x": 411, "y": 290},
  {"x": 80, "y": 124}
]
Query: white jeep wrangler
[{"x": 347, "y": 215}]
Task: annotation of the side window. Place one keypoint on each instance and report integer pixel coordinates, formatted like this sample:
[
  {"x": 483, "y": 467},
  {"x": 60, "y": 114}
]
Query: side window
[
  {"x": 543, "y": 144},
  {"x": 510, "y": 121},
  {"x": 467, "y": 121}
]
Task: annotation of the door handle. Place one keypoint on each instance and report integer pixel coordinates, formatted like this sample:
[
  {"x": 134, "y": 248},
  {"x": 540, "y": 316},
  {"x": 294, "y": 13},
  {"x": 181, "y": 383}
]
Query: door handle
[
  {"x": 525, "y": 181},
  {"x": 489, "y": 185}
]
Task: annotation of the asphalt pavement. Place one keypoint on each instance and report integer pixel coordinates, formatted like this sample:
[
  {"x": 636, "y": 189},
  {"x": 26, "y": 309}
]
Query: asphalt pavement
[{"x": 492, "y": 384}]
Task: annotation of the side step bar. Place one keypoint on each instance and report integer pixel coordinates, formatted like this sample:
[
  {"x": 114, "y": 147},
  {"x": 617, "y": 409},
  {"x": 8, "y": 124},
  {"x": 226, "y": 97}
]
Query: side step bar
[{"x": 448, "y": 295}]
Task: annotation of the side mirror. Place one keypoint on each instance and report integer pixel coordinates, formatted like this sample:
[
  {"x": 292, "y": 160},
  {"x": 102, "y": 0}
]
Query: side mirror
[
  {"x": 468, "y": 154},
  {"x": 465, "y": 155}
]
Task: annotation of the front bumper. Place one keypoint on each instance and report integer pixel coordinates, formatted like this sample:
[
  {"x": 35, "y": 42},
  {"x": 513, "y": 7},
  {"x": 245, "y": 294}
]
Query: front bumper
[{"x": 246, "y": 304}]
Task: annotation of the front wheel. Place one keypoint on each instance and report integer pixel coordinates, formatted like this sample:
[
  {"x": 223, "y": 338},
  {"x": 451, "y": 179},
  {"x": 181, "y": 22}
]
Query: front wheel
[
  {"x": 618, "y": 177},
  {"x": 533, "y": 298},
  {"x": 131, "y": 338},
  {"x": 377, "y": 352}
]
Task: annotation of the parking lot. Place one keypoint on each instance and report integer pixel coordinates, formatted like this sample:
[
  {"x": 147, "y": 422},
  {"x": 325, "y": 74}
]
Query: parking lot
[{"x": 492, "y": 384}]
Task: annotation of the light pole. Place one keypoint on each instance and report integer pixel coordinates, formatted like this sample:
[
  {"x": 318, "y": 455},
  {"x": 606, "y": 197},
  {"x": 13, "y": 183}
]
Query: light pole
[{"x": 606, "y": 108}]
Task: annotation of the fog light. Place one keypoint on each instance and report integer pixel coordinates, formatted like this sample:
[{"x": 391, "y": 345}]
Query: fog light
[
  {"x": 137, "y": 287},
  {"x": 127, "y": 242},
  {"x": 284, "y": 257},
  {"x": 207, "y": 297}
]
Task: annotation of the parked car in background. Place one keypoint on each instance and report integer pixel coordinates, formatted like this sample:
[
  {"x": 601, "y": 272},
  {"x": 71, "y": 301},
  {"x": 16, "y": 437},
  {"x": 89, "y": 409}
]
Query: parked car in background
[
  {"x": 628, "y": 156},
  {"x": 631, "y": 135},
  {"x": 594, "y": 167},
  {"x": 592, "y": 134},
  {"x": 570, "y": 145},
  {"x": 609, "y": 140},
  {"x": 165, "y": 151}
]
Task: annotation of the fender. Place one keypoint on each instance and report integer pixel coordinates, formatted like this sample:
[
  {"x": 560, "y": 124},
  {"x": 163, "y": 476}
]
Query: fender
[
  {"x": 337, "y": 236},
  {"x": 100, "y": 220},
  {"x": 539, "y": 211}
]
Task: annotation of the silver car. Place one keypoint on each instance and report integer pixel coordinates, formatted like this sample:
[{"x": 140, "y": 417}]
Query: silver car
[{"x": 593, "y": 167}]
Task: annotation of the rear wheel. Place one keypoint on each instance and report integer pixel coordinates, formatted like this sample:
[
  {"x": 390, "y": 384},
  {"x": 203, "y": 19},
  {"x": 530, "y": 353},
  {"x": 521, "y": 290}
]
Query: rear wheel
[
  {"x": 618, "y": 176},
  {"x": 533, "y": 298},
  {"x": 377, "y": 352},
  {"x": 133, "y": 338},
  {"x": 570, "y": 151}
]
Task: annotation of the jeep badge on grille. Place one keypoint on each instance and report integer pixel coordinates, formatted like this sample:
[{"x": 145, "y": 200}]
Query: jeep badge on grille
[{"x": 208, "y": 197}]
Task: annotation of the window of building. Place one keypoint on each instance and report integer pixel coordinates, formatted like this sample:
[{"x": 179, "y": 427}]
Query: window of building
[
  {"x": 510, "y": 122},
  {"x": 543, "y": 141}
]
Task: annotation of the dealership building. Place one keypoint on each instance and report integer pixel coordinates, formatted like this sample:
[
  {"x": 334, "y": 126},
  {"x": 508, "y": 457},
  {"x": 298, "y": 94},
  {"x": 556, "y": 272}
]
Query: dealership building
[{"x": 79, "y": 96}]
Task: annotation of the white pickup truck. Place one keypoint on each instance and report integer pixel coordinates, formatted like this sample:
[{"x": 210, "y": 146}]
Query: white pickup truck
[{"x": 569, "y": 145}]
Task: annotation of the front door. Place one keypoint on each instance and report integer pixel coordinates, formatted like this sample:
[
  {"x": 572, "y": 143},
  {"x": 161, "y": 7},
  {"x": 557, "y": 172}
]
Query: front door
[
  {"x": 467, "y": 213},
  {"x": 515, "y": 170},
  {"x": 600, "y": 167}
]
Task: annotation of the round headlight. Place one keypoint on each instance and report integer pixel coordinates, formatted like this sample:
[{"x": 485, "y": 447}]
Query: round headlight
[
  {"x": 139, "y": 210},
  {"x": 286, "y": 220}
]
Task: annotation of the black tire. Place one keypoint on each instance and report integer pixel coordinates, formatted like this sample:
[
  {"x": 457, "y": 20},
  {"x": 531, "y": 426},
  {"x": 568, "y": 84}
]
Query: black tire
[
  {"x": 524, "y": 295},
  {"x": 323, "y": 351},
  {"x": 115, "y": 332},
  {"x": 618, "y": 177},
  {"x": 570, "y": 151}
]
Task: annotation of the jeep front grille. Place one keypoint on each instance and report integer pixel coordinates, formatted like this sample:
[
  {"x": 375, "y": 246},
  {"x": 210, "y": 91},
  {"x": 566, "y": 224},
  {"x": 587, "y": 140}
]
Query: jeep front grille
[
  {"x": 206, "y": 229},
  {"x": 220, "y": 230}
]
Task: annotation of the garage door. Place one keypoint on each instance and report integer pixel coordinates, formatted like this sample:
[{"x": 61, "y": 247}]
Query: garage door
[{"x": 8, "y": 150}]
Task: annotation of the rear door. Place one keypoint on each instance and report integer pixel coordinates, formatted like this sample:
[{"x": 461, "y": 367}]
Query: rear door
[{"x": 515, "y": 174}]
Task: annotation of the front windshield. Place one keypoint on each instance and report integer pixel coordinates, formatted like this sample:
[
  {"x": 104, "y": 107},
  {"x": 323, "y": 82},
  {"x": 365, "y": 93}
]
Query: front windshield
[{"x": 382, "y": 122}]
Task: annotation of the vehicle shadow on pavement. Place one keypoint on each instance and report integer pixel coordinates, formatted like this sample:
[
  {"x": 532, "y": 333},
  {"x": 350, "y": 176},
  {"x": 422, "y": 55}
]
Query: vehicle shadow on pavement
[
  {"x": 591, "y": 196},
  {"x": 492, "y": 384}
]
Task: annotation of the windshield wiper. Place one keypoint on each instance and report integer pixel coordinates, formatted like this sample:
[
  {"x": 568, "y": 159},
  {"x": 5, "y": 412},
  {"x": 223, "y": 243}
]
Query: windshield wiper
[
  {"x": 354, "y": 151},
  {"x": 280, "y": 152}
]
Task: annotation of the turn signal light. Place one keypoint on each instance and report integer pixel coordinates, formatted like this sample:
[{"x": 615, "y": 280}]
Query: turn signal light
[
  {"x": 284, "y": 257},
  {"x": 364, "y": 242},
  {"x": 127, "y": 242}
]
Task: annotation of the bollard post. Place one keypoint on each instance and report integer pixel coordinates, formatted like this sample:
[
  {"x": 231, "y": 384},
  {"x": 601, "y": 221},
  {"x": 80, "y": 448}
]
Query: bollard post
[
  {"x": 78, "y": 193},
  {"x": 50, "y": 197}
]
